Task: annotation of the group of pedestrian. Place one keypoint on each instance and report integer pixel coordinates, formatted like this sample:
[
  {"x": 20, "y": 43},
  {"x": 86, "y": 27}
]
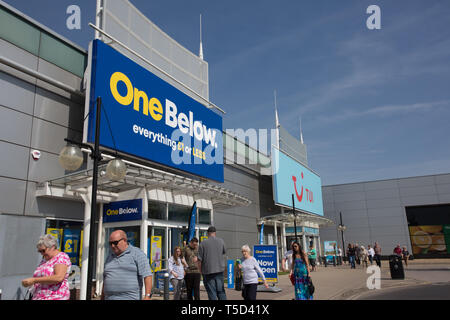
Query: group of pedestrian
[
  {"x": 127, "y": 274},
  {"x": 403, "y": 253},
  {"x": 359, "y": 255}
]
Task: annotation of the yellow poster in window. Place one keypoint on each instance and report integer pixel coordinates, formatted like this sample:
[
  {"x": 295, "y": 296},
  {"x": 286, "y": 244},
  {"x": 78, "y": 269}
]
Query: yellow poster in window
[
  {"x": 81, "y": 248},
  {"x": 57, "y": 233},
  {"x": 156, "y": 253}
]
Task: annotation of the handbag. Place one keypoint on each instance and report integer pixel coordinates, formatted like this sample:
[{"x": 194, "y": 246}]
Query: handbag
[
  {"x": 29, "y": 294},
  {"x": 292, "y": 278},
  {"x": 311, "y": 288}
]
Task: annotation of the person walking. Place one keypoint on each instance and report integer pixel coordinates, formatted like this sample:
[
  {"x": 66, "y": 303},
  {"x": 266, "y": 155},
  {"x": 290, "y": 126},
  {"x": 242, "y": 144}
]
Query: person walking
[
  {"x": 405, "y": 255},
  {"x": 211, "y": 265},
  {"x": 377, "y": 256},
  {"x": 126, "y": 270},
  {"x": 49, "y": 280},
  {"x": 176, "y": 272},
  {"x": 364, "y": 256},
  {"x": 339, "y": 256},
  {"x": 300, "y": 272},
  {"x": 371, "y": 253},
  {"x": 312, "y": 257},
  {"x": 357, "y": 254},
  {"x": 192, "y": 277},
  {"x": 398, "y": 251},
  {"x": 250, "y": 270},
  {"x": 351, "y": 252}
]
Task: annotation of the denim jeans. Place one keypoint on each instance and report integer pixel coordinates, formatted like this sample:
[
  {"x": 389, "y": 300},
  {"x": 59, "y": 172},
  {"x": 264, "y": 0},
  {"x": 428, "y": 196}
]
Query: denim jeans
[
  {"x": 352, "y": 261},
  {"x": 214, "y": 286}
]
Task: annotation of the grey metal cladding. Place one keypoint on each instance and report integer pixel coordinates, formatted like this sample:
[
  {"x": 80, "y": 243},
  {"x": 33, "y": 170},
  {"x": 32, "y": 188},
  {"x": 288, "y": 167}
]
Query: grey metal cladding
[
  {"x": 54, "y": 108},
  {"x": 416, "y": 181},
  {"x": 18, "y": 55},
  {"x": 13, "y": 230},
  {"x": 15, "y": 126},
  {"x": 58, "y": 74},
  {"x": 378, "y": 194},
  {"x": 16, "y": 94},
  {"x": 46, "y": 168},
  {"x": 12, "y": 195},
  {"x": 49, "y": 137},
  {"x": 14, "y": 160},
  {"x": 420, "y": 200}
]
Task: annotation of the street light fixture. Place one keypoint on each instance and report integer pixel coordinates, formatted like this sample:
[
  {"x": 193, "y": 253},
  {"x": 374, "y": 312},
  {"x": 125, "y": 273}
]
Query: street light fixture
[
  {"x": 71, "y": 158},
  {"x": 342, "y": 228}
]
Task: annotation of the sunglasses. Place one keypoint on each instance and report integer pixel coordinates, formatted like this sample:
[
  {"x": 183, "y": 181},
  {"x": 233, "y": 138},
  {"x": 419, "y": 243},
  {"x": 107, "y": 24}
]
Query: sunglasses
[
  {"x": 115, "y": 242},
  {"x": 42, "y": 251}
]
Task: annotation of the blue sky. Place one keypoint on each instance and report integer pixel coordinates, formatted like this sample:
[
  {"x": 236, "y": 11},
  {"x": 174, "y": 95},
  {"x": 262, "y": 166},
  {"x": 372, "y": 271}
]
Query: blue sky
[{"x": 375, "y": 104}]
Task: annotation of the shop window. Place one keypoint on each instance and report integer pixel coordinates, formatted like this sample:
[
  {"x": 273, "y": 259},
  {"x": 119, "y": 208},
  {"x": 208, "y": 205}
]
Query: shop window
[
  {"x": 179, "y": 213},
  {"x": 157, "y": 248},
  {"x": 203, "y": 235},
  {"x": 69, "y": 235},
  {"x": 133, "y": 234},
  {"x": 157, "y": 210},
  {"x": 204, "y": 216}
]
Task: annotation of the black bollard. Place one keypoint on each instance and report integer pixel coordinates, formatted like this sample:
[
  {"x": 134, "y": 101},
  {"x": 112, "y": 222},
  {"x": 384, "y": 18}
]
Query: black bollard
[{"x": 166, "y": 286}]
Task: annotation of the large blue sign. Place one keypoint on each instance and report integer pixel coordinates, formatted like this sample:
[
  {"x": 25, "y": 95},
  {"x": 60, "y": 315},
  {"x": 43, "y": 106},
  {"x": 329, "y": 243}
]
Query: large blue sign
[
  {"x": 292, "y": 178},
  {"x": 123, "y": 211},
  {"x": 144, "y": 116},
  {"x": 266, "y": 255}
]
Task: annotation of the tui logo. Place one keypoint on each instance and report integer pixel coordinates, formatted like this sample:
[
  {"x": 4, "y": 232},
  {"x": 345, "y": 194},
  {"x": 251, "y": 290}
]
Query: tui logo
[{"x": 308, "y": 193}]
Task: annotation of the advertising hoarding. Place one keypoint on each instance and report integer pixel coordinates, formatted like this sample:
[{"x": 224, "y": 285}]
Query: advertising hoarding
[
  {"x": 330, "y": 248},
  {"x": 430, "y": 239},
  {"x": 146, "y": 117},
  {"x": 292, "y": 178},
  {"x": 266, "y": 255}
]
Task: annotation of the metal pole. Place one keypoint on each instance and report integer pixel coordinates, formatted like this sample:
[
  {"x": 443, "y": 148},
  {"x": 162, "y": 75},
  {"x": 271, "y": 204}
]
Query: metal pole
[
  {"x": 342, "y": 235},
  {"x": 166, "y": 286},
  {"x": 92, "y": 232},
  {"x": 295, "y": 217}
]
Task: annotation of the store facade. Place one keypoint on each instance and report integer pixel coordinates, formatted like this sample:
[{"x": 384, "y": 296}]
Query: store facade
[
  {"x": 413, "y": 212},
  {"x": 42, "y": 101}
]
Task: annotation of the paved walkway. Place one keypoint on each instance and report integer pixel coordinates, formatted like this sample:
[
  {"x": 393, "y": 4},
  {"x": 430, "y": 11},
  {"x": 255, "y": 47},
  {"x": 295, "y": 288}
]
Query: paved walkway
[{"x": 341, "y": 282}]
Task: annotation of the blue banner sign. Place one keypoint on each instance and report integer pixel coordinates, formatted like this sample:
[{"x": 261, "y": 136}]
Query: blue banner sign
[
  {"x": 292, "y": 178},
  {"x": 266, "y": 255},
  {"x": 230, "y": 273},
  {"x": 122, "y": 211},
  {"x": 146, "y": 117},
  {"x": 191, "y": 227}
]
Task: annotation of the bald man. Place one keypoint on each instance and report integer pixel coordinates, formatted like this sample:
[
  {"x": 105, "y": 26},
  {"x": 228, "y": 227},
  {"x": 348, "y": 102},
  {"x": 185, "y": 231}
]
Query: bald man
[{"x": 126, "y": 268}]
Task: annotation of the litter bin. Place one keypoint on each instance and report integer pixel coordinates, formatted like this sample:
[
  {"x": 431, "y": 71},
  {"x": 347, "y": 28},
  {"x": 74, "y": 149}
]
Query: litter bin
[{"x": 396, "y": 267}]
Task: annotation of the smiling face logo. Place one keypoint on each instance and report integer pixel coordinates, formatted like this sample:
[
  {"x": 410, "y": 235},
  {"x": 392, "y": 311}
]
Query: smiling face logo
[
  {"x": 308, "y": 193},
  {"x": 299, "y": 197}
]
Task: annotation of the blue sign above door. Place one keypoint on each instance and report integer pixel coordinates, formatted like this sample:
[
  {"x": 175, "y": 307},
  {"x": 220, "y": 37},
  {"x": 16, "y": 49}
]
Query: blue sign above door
[{"x": 122, "y": 211}]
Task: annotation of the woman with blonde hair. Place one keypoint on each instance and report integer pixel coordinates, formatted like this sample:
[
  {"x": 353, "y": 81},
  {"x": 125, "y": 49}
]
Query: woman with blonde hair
[
  {"x": 176, "y": 272},
  {"x": 250, "y": 270}
]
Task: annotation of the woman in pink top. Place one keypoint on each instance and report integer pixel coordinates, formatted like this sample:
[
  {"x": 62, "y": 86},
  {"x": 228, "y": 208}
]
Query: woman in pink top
[{"x": 50, "y": 278}]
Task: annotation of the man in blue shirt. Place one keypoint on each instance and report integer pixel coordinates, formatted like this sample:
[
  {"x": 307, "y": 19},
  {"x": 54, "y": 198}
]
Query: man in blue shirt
[{"x": 126, "y": 268}]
